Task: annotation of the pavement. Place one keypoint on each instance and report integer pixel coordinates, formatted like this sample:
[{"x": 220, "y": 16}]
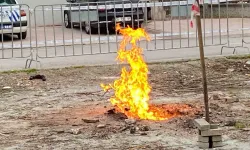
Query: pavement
[{"x": 55, "y": 48}]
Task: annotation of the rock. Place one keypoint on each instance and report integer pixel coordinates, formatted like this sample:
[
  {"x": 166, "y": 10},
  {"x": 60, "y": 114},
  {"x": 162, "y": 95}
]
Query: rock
[
  {"x": 90, "y": 120},
  {"x": 230, "y": 122},
  {"x": 60, "y": 131},
  {"x": 132, "y": 130},
  {"x": 75, "y": 131},
  {"x": 144, "y": 133},
  {"x": 231, "y": 99},
  {"x": 216, "y": 97},
  {"x": 189, "y": 123},
  {"x": 124, "y": 128},
  {"x": 248, "y": 63},
  {"x": 145, "y": 128},
  {"x": 245, "y": 129},
  {"x": 130, "y": 121},
  {"x": 101, "y": 126},
  {"x": 247, "y": 82},
  {"x": 6, "y": 88},
  {"x": 49, "y": 106},
  {"x": 111, "y": 111},
  {"x": 230, "y": 70}
]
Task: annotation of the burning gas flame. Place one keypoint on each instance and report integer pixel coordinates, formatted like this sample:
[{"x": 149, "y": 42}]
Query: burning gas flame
[{"x": 132, "y": 88}]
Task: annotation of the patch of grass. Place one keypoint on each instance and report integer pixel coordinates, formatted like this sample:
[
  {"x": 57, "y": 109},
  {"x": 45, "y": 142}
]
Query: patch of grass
[
  {"x": 28, "y": 71},
  {"x": 240, "y": 125},
  {"x": 238, "y": 57},
  {"x": 75, "y": 67},
  {"x": 175, "y": 61}
]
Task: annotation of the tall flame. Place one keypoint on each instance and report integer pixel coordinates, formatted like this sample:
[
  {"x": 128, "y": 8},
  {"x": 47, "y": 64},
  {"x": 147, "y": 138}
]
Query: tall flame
[{"x": 132, "y": 88}]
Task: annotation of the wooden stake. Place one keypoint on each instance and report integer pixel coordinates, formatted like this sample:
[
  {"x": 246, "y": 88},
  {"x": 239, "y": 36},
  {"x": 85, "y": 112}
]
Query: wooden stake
[{"x": 203, "y": 66}]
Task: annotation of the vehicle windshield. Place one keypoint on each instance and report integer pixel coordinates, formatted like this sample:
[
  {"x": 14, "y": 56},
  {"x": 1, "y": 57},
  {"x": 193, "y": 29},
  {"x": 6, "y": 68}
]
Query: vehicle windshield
[{"x": 7, "y": 2}]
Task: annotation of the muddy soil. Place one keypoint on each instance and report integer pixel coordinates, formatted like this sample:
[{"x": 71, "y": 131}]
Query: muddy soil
[{"x": 69, "y": 110}]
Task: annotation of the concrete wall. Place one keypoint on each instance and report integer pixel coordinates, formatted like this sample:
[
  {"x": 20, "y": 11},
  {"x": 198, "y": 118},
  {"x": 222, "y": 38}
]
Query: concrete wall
[
  {"x": 233, "y": 11},
  {"x": 181, "y": 11},
  {"x": 160, "y": 13}
]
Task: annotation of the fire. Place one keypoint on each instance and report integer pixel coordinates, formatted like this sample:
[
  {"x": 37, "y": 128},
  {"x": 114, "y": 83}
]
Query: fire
[{"x": 132, "y": 88}]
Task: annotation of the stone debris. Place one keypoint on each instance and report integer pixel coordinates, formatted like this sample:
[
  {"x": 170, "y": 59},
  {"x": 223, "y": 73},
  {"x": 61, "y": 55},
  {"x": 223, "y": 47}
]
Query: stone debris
[
  {"x": 248, "y": 63},
  {"x": 49, "y": 106},
  {"x": 130, "y": 121},
  {"x": 230, "y": 122},
  {"x": 6, "y": 88},
  {"x": 90, "y": 120},
  {"x": 132, "y": 130},
  {"x": 216, "y": 97},
  {"x": 60, "y": 131},
  {"x": 245, "y": 129},
  {"x": 144, "y": 128},
  {"x": 101, "y": 126},
  {"x": 75, "y": 131},
  {"x": 144, "y": 133},
  {"x": 247, "y": 82},
  {"x": 210, "y": 136},
  {"x": 231, "y": 99},
  {"x": 230, "y": 70}
]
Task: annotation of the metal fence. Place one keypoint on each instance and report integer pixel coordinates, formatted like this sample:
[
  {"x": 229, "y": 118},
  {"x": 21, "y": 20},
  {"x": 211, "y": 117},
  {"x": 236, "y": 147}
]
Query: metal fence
[{"x": 65, "y": 30}]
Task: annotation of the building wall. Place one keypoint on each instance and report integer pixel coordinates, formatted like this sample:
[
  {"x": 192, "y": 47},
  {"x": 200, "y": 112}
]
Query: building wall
[{"x": 232, "y": 11}]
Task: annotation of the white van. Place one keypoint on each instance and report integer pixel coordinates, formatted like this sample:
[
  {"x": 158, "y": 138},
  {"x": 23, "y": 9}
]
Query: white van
[{"x": 13, "y": 19}]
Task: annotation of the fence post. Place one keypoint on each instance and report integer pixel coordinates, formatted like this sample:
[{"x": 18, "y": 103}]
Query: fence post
[{"x": 203, "y": 66}]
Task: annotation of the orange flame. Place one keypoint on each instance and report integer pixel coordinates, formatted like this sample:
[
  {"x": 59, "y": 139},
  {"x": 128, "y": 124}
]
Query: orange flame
[{"x": 132, "y": 88}]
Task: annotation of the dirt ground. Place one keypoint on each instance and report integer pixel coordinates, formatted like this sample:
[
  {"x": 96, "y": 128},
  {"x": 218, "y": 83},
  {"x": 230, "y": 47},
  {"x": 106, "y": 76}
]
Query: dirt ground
[{"x": 69, "y": 110}]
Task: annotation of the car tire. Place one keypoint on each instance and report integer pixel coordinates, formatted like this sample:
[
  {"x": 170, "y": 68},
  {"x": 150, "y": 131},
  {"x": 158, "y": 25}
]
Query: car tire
[
  {"x": 67, "y": 19},
  {"x": 149, "y": 16},
  {"x": 22, "y": 35}
]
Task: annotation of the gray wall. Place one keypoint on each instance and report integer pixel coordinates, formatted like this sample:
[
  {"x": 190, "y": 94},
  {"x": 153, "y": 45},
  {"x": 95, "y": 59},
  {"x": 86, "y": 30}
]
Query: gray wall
[
  {"x": 160, "y": 13},
  {"x": 222, "y": 10},
  {"x": 234, "y": 10},
  {"x": 181, "y": 11}
]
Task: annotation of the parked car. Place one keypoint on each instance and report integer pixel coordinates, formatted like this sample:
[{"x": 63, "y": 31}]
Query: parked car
[
  {"x": 13, "y": 20},
  {"x": 91, "y": 19}
]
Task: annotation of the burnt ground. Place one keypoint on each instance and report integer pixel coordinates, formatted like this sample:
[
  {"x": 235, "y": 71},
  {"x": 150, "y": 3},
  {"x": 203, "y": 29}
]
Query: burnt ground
[{"x": 52, "y": 114}]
